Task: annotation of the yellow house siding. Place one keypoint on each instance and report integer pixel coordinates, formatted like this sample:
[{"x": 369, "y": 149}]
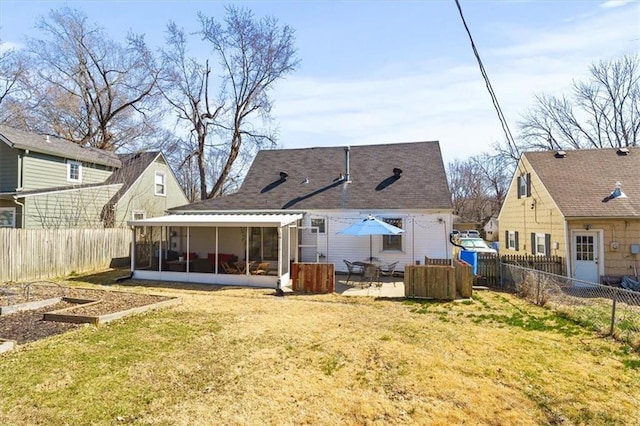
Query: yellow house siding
[
  {"x": 537, "y": 213},
  {"x": 624, "y": 232}
]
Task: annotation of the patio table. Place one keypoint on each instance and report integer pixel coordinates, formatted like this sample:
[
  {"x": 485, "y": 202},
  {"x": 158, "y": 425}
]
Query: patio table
[{"x": 370, "y": 271}]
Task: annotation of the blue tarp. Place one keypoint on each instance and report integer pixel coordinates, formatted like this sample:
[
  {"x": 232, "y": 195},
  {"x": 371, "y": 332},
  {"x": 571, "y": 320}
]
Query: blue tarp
[{"x": 630, "y": 284}]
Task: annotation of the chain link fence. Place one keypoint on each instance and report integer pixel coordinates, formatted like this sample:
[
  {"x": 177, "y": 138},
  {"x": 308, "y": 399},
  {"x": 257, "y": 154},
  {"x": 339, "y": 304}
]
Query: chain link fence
[{"x": 611, "y": 311}]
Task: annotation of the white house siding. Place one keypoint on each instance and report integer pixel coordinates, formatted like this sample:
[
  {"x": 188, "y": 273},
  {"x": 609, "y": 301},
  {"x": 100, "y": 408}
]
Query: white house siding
[
  {"x": 426, "y": 234},
  {"x": 44, "y": 171}
]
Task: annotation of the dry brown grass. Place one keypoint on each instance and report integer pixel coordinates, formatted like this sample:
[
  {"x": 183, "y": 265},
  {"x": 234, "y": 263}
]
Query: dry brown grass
[{"x": 241, "y": 356}]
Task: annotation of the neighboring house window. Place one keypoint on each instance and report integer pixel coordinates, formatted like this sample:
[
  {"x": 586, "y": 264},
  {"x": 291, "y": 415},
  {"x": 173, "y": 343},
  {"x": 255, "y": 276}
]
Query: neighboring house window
[
  {"x": 524, "y": 185},
  {"x": 7, "y": 217},
  {"x": 138, "y": 214},
  {"x": 541, "y": 244},
  {"x": 512, "y": 240},
  {"x": 161, "y": 183},
  {"x": 74, "y": 171},
  {"x": 319, "y": 223},
  {"x": 392, "y": 242}
]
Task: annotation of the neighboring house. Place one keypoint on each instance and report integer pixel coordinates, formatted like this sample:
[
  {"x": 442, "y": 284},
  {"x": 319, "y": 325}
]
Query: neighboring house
[
  {"x": 291, "y": 206},
  {"x": 46, "y": 182},
  {"x": 490, "y": 228},
  {"x": 583, "y": 205}
]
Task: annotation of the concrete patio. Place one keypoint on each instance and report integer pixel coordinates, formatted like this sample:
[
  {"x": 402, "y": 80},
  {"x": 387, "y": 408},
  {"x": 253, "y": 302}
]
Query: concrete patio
[{"x": 392, "y": 287}]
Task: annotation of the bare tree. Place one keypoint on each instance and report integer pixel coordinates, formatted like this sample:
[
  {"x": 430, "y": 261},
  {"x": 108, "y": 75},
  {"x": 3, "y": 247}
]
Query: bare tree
[
  {"x": 13, "y": 77},
  {"x": 478, "y": 186},
  {"x": 603, "y": 112},
  {"x": 253, "y": 54},
  {"x": 185, "y": 85},
  {"x": 89, "y": 89}
]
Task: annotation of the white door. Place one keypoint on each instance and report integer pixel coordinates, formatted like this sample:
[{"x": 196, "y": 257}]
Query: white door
[
  {"x": 585, "y": 256},
  {"x": 308, "y": 244}
]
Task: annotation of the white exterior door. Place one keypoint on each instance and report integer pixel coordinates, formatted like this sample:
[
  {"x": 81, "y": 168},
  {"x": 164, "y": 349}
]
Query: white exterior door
[
  {"x": 586, "y": 250},
  {"x": 308, "y": 244}
]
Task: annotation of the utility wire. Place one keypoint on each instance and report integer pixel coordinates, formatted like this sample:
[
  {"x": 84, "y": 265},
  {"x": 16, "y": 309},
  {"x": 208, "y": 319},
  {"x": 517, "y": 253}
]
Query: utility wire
[{"x": 503, "y": 122}]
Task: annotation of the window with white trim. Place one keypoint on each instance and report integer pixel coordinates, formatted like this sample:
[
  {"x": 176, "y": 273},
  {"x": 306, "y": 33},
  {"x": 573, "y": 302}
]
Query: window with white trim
[
  {"x": 161, "y": 183},
  {"x": 511, "y": 240},
  {"x": 138, "y": 214},
  {"x": 7, "y": 217},
  {"x": 524, "y": 185},
  {"x": 540, "y": 245},
  {"x": 392, "y": 242},
  {"x": 317, "y": 223},
  {"x": 74, "y": 171}
]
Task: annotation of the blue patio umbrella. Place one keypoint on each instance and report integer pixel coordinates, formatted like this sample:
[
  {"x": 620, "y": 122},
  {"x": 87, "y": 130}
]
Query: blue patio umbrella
[{"x": 371, "y": 226}]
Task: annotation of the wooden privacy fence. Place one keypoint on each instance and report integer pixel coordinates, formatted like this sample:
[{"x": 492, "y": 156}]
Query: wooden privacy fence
[
  {"x": 439, "y": 281},
  {"x": 488, "y": 272},
  {"x": 550, "y": 264},
  {"x": 313, "y": 277},
  {"x": 44, "y": 253}
]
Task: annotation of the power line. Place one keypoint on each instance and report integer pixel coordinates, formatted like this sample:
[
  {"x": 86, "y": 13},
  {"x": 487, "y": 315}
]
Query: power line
[{"x": 503, "y": 122}]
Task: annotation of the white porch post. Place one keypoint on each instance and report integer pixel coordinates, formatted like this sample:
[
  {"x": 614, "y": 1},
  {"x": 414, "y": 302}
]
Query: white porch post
[
  {"x": 217, "y": 248},
  {"x": 133, "y": 248},
  {"x": 246, "y": 251},
  {"x": 280, "y": 251}
]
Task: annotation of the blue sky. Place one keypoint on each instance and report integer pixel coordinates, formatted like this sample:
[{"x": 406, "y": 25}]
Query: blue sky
[{"x": 396, "y": 71}]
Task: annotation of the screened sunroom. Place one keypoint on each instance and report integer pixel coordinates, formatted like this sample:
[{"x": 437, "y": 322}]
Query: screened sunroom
[{"x": 229, "y": 249}]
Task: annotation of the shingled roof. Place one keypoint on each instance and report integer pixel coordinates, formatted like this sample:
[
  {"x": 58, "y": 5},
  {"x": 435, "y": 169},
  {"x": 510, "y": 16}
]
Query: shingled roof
[
  {"x": 51, "y": 145},
  {"x": 581, "y": 181},
  {"x": 313, "y": 180}
]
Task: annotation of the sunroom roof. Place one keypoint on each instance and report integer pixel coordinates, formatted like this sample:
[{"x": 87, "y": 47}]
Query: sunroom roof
[{"x": 235, "y": 219}]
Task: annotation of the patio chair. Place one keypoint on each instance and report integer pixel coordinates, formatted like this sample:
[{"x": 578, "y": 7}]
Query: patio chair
[
  {"x": 353, "y": 269},
  {"x": 389, "y": 270},
  {"x": 260, "y": 269},
  {"x": 228, "y": 269}
]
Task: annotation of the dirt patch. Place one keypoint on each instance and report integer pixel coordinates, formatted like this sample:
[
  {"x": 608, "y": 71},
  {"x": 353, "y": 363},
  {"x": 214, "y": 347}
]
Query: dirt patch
[{"x": 29, "y": 325}]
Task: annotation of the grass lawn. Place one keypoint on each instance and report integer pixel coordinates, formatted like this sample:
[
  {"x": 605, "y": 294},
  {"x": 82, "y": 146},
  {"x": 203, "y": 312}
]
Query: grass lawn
[{"x": 242, "y": 356}]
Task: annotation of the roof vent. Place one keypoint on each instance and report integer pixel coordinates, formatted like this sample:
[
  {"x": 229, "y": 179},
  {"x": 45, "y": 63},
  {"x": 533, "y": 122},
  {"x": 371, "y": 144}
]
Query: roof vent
[
  {"x": 283, "y": 176},
  {"x": 47, "y": 139},
  {"x": 623, "y": 151},
  {"x": 397, "y": 172},
  {"x": 560, "y": 154}
]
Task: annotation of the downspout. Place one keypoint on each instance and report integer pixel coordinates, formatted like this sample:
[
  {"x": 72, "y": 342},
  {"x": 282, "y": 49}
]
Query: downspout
[
  {"x": 22, "y": 211},
  {"x": 567, "y": 248}
]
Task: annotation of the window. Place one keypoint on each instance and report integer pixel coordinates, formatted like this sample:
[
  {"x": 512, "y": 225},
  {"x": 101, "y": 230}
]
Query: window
[
  {"x": 319, "y": 223},
  {"x": 7, "y": 217},
  {"x": 74, "y": 171},
  {"x": 585, "y": 247},
  {"x": 524, "y": 185},
  {"x": 512, "y": 240},
  {"x": 541, "y": 244},
  {"x": 138, "y": 214},
  {"x": 392, "y": 242},
  {"x": 161, "y": 187}
]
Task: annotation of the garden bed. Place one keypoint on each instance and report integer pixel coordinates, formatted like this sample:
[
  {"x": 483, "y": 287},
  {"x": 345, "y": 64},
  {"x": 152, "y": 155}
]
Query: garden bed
[{"x": 39, "y": 311}]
